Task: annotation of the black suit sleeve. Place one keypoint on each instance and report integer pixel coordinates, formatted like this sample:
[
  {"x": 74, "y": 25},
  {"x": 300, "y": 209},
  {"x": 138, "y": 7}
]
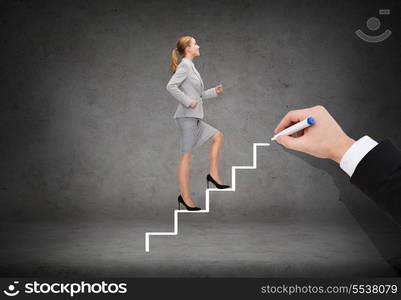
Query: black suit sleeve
[{"x": 378, "y": 175}]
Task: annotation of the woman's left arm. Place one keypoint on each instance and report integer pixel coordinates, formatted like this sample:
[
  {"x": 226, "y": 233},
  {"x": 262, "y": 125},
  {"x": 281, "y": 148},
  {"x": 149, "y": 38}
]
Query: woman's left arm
[{"x": 213, "y": 92}]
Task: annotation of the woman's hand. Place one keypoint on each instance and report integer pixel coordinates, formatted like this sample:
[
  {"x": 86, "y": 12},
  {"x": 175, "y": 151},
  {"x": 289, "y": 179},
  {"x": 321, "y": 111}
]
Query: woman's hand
[
  {"x": 219, "y": 88},
  {"x": 194, "y": 103}
]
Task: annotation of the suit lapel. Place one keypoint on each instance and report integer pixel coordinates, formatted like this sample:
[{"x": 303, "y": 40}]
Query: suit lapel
[{"x": 197, "y": 74}]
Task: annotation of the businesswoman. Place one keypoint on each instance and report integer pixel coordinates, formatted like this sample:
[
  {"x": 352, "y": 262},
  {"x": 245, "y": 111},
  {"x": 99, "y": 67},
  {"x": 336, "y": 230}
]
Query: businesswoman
[{"x": 187, "y": 87}]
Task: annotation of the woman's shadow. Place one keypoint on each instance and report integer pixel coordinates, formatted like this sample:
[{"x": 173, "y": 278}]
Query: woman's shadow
[{"x": 383, "y": 231}]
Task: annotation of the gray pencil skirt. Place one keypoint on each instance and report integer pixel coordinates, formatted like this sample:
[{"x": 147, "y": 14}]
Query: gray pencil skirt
[{"x": 194, "y": 132}]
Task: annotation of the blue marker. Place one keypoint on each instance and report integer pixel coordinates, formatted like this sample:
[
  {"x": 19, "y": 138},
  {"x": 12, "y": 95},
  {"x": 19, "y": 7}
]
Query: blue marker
[{"x": 295, "y": 128}]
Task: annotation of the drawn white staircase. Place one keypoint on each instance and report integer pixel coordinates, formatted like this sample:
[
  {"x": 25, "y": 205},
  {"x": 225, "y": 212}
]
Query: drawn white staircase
[{"x": 232, "y": 189}]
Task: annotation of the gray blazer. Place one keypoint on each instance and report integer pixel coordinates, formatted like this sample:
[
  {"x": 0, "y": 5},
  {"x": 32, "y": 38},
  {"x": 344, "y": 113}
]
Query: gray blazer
[{"x": 189, "y": 80}]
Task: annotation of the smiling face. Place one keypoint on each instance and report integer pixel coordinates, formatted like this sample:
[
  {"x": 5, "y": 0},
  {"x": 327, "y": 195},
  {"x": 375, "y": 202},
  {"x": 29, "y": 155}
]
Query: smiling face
[{"x": 193, "y": 49}]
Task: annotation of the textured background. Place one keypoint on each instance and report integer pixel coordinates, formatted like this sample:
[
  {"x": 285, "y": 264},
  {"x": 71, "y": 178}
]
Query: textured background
[{"x": 86, "y": 122}]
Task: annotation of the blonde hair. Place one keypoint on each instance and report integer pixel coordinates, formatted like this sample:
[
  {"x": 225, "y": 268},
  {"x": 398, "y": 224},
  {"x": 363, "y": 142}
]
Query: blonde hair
[{"x": 182, "y": 43}]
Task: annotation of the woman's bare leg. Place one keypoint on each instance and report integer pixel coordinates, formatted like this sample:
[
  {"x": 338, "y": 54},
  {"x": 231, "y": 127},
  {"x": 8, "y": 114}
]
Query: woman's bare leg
[
  {"x": 214, "y": 155},
  {"x": 183, "y": 177}
]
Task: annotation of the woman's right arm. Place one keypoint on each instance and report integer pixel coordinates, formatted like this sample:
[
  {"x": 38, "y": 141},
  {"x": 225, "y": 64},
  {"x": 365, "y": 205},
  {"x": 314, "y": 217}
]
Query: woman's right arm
[{"x": 173, "y": 85}]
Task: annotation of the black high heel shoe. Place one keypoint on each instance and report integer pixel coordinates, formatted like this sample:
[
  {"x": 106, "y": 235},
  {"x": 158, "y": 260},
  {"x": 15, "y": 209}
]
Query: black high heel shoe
[
  {"x": 181, "y": 200},
  {"x": 219, "y": 186}
]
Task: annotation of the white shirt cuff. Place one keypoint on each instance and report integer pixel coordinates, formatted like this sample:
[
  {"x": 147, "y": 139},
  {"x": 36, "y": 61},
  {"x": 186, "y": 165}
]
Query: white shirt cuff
[{"x": 355, "y": 153}]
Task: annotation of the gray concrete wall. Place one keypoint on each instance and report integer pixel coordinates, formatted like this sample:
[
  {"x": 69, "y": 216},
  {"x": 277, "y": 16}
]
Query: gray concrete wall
[{"x": 86, "y": 122}]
